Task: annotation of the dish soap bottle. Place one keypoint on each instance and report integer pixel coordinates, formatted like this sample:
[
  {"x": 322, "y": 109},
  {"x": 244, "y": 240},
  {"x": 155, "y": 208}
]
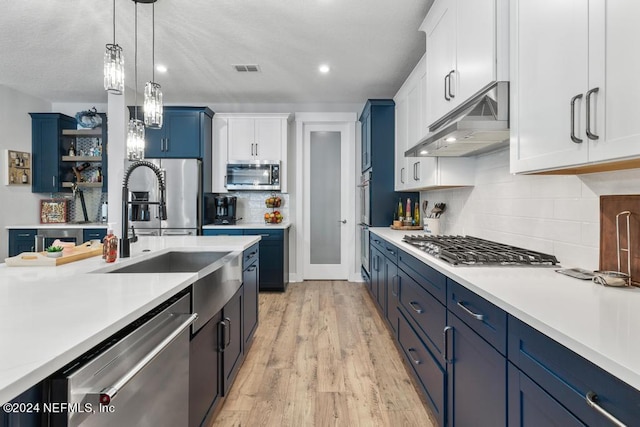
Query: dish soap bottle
[{"x": 110, "y": 246}]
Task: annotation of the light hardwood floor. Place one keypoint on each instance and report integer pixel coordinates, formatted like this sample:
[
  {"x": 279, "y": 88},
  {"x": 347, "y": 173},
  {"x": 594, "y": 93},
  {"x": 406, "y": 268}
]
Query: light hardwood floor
[{"x": 322, "y": 356}]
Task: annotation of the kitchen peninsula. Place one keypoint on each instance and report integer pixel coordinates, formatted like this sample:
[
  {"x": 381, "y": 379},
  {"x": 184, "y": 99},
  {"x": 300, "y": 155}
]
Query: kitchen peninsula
[{"x": 53, "y": 315}]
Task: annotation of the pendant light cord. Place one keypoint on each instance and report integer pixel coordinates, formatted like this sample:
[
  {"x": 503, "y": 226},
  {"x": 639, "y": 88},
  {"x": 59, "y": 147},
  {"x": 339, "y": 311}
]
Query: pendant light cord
[
  {"x": 114, "y": 22},
  {"x": 135, "y": 55},
  {"x": 153, "y": 42}
]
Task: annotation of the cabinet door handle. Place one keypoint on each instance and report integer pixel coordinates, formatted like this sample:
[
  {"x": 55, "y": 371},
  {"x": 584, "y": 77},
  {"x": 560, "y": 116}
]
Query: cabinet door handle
[
  {"x": 390, "y": 251},
  {"x": 451, "y": 73},
  {"x": 228, "y": 341},
  {"x": 412, "y": 351},
  {"x": 416, "y": 307},
  {"x": 395, "y": 285},
  {"x": 166, "y": 144},
  {"x": 256, "y": 148},
  {"x": 252, "y": 149},
  {"x": 225, "y": 181},
  {"x": 53, "y": 181},
  {"x": 446, "y": 96},
  {"x": 574, "y": 138},
  {"x": 223, "y": 332},
  {"x": 445, "y": 338},
  {"x": 252, "y": 268},
  {"x": 590, "y": 134},
  {"x": 402, "y": 175},
  {"x": 24, "y": 235},
  {"x": 592, "y": 401},
  {"x": 469, "y": 312}
]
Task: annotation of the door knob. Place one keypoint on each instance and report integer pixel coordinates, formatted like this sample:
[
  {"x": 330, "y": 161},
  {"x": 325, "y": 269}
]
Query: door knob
[{"x": 344, "y": 221}]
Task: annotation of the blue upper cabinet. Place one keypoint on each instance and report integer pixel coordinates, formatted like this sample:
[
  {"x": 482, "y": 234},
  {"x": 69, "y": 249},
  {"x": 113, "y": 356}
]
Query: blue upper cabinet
[
  {"x": 185, "y": 134},
  {"x": 47, "y": 150}
]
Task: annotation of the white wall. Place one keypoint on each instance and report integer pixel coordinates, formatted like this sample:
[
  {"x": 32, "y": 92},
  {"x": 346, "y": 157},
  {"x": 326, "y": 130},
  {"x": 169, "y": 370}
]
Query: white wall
[
  {"x": 19, "y": 204},
  {"x": 552, "y": 214}
]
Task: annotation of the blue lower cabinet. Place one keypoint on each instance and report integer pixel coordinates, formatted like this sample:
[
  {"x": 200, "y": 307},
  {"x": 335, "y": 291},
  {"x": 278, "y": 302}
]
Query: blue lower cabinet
[
  {"x": 392, "y": 293},
  {"x": 250, "y": 282},
  {"x": 377, "y": 281},
  {"x": 274, "y": 258},
  {"x": 531, "y": 406},
  {"x": 218, "y": 232},
  {"x": 430, "y": 374},
  {"x": 93, "y": 234},
  {"x": 476, "y": 378},
  {"x": 21, "y": 240}
]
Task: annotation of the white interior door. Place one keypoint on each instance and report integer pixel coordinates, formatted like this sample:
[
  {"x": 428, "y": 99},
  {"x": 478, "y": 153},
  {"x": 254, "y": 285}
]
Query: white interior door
[{"x": 327, "y": 225}]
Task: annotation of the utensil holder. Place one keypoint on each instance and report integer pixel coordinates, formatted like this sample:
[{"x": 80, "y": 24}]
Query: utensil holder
[{"x": 431, "y": 226}]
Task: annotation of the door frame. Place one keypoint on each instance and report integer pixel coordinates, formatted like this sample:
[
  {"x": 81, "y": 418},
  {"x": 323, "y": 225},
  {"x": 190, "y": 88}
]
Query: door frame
[{"x": 348, "y": 120}]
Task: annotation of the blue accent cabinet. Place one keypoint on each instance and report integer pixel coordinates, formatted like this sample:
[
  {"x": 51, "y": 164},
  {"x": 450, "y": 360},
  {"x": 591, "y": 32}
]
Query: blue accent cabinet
[
  {"x": 21, "y": 240},
  {"x": 274, "y": 254},
  {"x": 185, "y": 134},
  {"x": 93, "y": 234},
  {"x": 47, "y": 151}
]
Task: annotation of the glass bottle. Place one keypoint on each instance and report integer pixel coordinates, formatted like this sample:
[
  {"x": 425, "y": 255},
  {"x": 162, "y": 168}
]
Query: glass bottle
[
  {"x": 400, "y": 212},
  {"x": 408, "y": 209},
  {"x": 25, "y": 177},
  {"x": 110, "y": 247},
  {"x": 72, "y": 150},
  {"x": 416, "y": 214}
]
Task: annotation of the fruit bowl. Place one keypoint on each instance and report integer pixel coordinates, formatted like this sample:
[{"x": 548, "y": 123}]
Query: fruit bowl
[
  {"x": 274, "y": 217},
  {"x": 273, "y": 202}
]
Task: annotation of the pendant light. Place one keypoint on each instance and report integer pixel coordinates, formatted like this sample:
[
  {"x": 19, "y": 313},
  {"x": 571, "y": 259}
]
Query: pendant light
[
  {"x": 135, "y": 131},
  {"x": 114, "y": 63},
  {"x": 152, "y": 91}
]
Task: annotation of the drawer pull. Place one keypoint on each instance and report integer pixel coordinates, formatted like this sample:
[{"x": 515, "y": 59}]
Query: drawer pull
[
  {"x": 390, "y": 251},
  {"x": 415, "y": 361},
  {"x": 592, "y": 401},
  {"x": 414, "y": 305},
  {"x": 469, "y": 312},
  {"x": 24, "y": 235}
]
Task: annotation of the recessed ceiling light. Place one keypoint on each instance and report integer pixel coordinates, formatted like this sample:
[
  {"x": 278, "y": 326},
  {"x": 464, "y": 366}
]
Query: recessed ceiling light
[
  {"x": 161, "y": 68},
  {"x": 324, "y": 68},
  {"x": 451, "y": 139}
]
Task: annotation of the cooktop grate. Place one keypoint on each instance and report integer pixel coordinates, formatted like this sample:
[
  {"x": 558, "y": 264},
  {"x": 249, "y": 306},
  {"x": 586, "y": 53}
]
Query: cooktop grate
[{"x": 469, "y": 250}]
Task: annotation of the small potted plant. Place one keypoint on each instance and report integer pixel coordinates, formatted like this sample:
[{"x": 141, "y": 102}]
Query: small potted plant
[{"x": 54, "y": 251}]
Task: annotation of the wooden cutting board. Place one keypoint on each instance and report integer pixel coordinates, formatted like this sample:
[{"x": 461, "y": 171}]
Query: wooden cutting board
[
  {"x": 610, "y": 206},
  {"x": 40, "y": 259}
]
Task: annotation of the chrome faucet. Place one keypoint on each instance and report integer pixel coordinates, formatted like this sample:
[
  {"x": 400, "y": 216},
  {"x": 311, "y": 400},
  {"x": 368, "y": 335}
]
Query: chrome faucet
[{"x": 125, "y": 241}]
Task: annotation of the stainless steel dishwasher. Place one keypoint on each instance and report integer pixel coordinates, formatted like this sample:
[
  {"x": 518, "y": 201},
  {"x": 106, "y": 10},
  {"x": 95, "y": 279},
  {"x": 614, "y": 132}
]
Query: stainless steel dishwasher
[{"x": 139, "y": 379}]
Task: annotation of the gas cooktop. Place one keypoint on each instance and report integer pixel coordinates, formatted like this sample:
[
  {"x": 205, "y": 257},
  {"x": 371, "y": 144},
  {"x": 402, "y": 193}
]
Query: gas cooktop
[{"x": 468, "y": 250}]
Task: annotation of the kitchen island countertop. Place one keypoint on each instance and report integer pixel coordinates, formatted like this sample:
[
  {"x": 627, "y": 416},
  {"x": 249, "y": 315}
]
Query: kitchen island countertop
[
  {"x": 596, "y": 322},
  {"x": 49, "y": 316}
]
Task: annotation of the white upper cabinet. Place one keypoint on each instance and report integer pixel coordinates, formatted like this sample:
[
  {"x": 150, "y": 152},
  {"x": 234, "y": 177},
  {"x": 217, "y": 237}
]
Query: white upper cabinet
[
  {"x": 574, "y": 84},
  {"x": 256, "y": 138},
  {"x": 416, "y": 173},
  {"x": 248, "y": 138},
  {"x": 467, "y": 49}
]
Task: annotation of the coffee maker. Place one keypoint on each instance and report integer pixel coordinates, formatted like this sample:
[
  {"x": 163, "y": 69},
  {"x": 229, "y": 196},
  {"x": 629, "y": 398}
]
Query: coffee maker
[{"x": 225, "y": 208}]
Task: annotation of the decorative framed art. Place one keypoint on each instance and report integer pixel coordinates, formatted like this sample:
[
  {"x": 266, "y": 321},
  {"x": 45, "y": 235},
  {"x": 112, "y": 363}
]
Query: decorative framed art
[
  {"x": 53, "y": 211},
  {"x": 18, "y": 168}
]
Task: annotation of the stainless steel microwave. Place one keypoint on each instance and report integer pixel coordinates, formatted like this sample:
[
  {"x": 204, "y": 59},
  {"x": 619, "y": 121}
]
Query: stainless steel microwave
[{"x": 253, "y": 175}]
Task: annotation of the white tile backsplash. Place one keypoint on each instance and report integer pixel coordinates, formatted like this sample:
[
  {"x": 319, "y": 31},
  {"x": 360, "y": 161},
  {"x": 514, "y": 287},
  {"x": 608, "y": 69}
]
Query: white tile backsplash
[
  {"x": 555, "y": 214},
  {"x": 251, "y": 207}
]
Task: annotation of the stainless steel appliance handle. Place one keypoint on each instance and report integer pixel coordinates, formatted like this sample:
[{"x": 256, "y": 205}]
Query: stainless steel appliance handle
[
  {"x": 451, "y": 73},
  {"x": 469, "y": 312},
  {"x": 574, "y": 138},
  {"x": 590, "y": 134},
  {"x": 415, "y": 361},
  {"x": 592, "y": 401},
  {"x": 107, "y": 394},
  {"x": 445, "y": 87},
  {"x": 445, "y": 335},
  {"x": 178, "y": 233}
]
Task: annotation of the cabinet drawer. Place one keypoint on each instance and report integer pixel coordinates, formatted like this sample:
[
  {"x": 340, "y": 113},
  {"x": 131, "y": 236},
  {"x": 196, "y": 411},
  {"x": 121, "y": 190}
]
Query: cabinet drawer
[
  {"x": 428, "y": 314},
  {"x": 265, "y": 234},
  {"x": 388, "y": 249},
  {"x": 568, "y": 377},
  {"x": 250, "y": 255},
  {"x": 431, "y": 280},
  {"x": 93, "y": 234},
  {"x": 488, "y": 320},
  {"x": 425, "y": 366},
  {"x": 220, "y": 232}
]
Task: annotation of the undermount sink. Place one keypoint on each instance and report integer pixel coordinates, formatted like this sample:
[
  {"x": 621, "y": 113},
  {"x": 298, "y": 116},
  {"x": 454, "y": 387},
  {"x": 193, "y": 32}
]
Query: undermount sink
[{"x": 173, "y": 262}]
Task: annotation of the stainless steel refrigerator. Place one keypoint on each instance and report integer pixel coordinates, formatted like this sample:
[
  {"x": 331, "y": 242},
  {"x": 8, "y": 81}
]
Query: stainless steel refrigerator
[{"x": 183, "y": 181}]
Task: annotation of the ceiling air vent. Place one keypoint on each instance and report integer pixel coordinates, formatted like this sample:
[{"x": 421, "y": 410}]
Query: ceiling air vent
[{"x": 246, "y": 68}]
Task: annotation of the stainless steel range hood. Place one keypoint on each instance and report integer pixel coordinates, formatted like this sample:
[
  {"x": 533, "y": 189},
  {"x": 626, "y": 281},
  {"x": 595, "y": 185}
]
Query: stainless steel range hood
[{"x": 479, "y": 125}]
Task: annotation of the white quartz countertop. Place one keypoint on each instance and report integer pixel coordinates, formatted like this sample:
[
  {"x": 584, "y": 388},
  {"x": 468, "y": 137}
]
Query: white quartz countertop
[
  {"x": 599, "y": 323},
  {"x": 60, "y": 225},
  {"x": 51, "y": 315},
  {"x": 242, "y": 225}
]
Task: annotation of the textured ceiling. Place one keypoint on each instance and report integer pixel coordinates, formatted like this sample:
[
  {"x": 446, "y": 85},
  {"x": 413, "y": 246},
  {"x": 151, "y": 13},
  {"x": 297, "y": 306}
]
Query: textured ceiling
[{"x": 53, "y": 49}]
